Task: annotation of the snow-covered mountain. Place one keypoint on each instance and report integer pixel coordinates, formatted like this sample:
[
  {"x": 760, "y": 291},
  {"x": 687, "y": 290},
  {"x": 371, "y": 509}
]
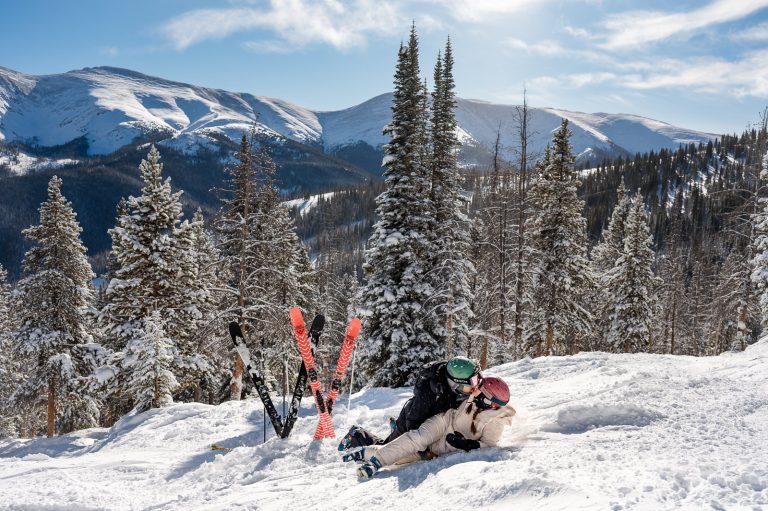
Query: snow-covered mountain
[
  {"x": 593, "y": 431},
  {"x": 113, "y": 107}
]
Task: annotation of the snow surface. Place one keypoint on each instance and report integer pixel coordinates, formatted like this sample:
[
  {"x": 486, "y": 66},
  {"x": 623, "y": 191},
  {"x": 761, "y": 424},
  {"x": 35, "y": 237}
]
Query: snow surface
[
  {"x": 111, "y": 107},
  {"x": 593, "y": 431},
  {"x": 305, "y": 205},
  {"x": 22, "y": 163}
]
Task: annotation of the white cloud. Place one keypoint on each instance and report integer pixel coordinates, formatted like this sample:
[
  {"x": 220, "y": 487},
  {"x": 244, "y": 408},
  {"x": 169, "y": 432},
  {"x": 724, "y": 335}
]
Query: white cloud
[
  {"x": 546, "y": 47},
  {"x": 481, "y": 10},
  {"x": 636, "y": 28},
  {"x": 267, "y": 47},
  {"x": 741, "y": 78},
  {"x": 296, "y": 22},
  {"x": 745, "y": 77},
  {"x": 755, "y": 33},
  {"x": 109, "y": 51},
  {"x": 571, "y": 81}
]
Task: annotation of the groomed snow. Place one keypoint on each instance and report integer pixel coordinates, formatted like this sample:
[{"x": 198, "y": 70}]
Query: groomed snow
[{"x": 593, "y": 431}]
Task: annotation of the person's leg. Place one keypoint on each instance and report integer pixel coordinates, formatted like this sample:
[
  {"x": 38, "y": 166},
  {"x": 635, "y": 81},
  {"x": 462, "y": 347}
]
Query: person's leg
[{"x": 358, "y": 437}]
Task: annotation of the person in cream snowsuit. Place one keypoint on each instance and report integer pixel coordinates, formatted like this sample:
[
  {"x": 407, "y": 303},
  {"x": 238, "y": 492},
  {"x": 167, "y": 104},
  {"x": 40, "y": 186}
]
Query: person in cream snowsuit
[{"x": 477, "y": 422}]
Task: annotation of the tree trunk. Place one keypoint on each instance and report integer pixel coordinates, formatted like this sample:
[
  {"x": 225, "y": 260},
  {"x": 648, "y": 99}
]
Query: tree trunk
[
  {"x": 550, "y": 339},
  {"x": 51, "y": 408},
  {"x": 484, "y": 354},
  {"x": 236, "y": 386}
]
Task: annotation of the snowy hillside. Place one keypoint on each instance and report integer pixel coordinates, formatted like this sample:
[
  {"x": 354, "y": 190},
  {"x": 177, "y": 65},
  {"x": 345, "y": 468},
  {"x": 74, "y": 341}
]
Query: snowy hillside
[
  {"x": 112, "y": 107},
  {"x": 593, "y": 431}
]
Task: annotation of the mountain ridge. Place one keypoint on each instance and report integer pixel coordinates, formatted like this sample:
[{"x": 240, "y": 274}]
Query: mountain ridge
[{"x": 114, "y": 106}]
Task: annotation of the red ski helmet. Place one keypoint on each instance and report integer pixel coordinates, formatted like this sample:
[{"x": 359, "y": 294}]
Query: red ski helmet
[{"x": 494, "y": 393}]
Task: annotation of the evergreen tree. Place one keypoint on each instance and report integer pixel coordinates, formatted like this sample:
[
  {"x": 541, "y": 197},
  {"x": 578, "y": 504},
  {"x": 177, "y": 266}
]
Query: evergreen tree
[
  {"x": 281, "y": 271},
  {"x": 50, "y": 305},
  {"x": 10, "y": 367},
  {"x": 631, "y": 286},
  {"x": 148, "y": 362},
  {"x": 608, "y": 251},
  {"x": 562, "y": 276},
  {"x": 452, "y": 269},
  {"x": 402, "y": 329},
  {"x": 760, "y": 243},
  {"x": 237, "y": 218},
  {"x": 604, "y": 258},
  {"x": 156, "y": 271}
]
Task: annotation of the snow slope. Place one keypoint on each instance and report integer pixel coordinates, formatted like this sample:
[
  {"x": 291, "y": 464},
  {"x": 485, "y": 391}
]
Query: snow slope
[
  {"x": 112, "y": 107},
  {"x": 593, "y": 431}
]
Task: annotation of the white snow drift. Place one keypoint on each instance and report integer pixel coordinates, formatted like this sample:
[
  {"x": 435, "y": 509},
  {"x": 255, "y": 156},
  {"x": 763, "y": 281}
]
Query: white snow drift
[{"x": 593, "y": 431}]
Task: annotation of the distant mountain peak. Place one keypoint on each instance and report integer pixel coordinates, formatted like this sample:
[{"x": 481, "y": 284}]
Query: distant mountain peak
[{"x": 113, "y": 106}]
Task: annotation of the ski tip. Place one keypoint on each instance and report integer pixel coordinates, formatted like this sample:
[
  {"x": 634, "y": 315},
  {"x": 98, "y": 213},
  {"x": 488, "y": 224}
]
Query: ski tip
[
  {"x": 234, "y": 329},
  {"x": 354, "y": 327},
  {"x": 296, "y": 317},
  {"x": 318, "y": 323}
]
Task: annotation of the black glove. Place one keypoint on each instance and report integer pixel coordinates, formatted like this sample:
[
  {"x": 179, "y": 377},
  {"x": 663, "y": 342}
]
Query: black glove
[{"x": 457, "y": 440}]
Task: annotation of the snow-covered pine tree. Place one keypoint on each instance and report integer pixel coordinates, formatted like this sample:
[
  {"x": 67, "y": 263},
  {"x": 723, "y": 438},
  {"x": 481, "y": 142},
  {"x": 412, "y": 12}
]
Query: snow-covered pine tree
[
  {"x": 604, "y": 258},
  {"x": 151, "y": 248},
  {"x": 50, "y": 305},
  {"x": 631, "y": 285},
  {"x": 237, "y": 218},
  {"x": 452, "y": 269},
  {"x": 401, "y": 327},
  {"x": 148, "y": 360},
  {"x": 281, "y": 272},
  {"x": 760, "y": 247},
  {"x": 733, "y": 311},
  {"x": 611, "y": 246},
  {"x": 205, "y": 342},
  {"x": 562, "y": 276},
  {"x": 523, "y": 289},
  {"x": 493, "y": 261},
  {"x": 10, "y": 367}
]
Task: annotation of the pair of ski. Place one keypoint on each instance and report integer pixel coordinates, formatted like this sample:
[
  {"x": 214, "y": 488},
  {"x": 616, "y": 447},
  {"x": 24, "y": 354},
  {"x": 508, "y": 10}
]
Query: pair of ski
[
  {"x": 307, "y": 371},
  {"x": 324, "y": 404},
  {"x": 282, "y": 429}
]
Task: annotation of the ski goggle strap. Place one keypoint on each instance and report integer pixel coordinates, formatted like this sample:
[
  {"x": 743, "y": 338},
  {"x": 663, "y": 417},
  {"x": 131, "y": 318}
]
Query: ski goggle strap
[
  {"x": 490, "y": 400},
  {"x": 467, "y": 386}
]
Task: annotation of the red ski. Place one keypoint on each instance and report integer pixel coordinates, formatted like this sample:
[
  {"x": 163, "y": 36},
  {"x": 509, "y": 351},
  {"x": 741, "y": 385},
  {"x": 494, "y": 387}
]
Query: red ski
[
  {"x": 324, "y": 406},
  {"x": 353, "y": 330}
]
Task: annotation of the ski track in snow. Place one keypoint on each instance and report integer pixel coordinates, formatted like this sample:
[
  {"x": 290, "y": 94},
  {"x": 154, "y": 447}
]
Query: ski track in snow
[{"x": 593, "y": 431}]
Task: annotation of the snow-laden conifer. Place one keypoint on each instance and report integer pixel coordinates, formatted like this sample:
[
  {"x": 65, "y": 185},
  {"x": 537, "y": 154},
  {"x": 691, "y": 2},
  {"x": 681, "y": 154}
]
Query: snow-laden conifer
[
  {"x": 400, "y": 329},
  {"x": 631, "y": 286},
  {"x": 611, "y": 246},
  {"x": 50, "y": 305},
  {"x": 760, "y": 244},
  {"x": 10, "y": 366},
  {"x": 156, "y": 270},
  {"x": 452, "y": 268},
  {"x": 266, "y": 264},
  {"x": 148, "y": 359},
  {"x": 562, "y": 276}
]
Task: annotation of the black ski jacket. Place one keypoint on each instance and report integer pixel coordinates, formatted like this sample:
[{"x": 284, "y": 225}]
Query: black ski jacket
[{"x": 431, "y": 395}]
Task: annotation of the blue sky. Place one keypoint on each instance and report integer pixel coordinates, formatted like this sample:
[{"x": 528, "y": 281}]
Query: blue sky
[{"x": 697, "y": 64}]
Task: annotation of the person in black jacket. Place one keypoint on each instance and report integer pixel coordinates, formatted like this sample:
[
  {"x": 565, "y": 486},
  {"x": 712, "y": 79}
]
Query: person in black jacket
[{"x": 439, "y": 387}]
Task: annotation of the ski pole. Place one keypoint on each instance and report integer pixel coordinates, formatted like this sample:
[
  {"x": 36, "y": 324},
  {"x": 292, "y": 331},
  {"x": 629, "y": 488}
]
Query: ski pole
[{"x": 351, "y": 383}]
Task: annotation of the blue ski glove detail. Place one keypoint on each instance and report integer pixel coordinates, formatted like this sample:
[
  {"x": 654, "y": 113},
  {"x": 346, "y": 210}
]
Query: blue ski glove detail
[
  {"x": 457, "y": 440},
  {"x": 369, "y": 468},
  {"x": 355, "y": 454}
]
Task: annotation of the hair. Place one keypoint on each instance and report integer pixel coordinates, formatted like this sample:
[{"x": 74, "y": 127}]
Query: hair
[{"x": 473, "y": 428}]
